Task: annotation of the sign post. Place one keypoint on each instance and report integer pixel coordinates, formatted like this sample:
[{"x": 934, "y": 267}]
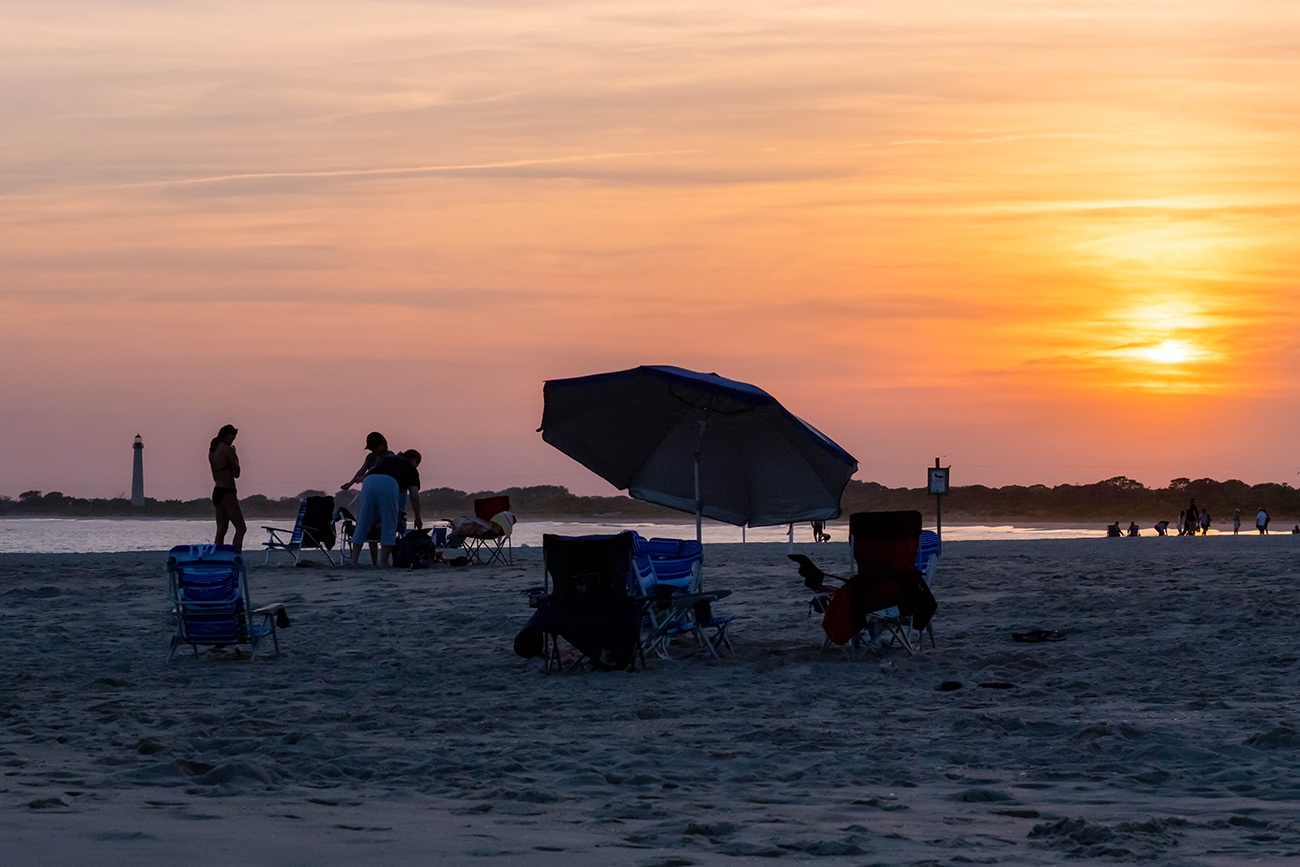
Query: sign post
[{"x": 937, "y": 484}]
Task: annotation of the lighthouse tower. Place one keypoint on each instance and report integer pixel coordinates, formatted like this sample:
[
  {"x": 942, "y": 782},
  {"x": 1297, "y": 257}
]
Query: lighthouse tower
[{"x": 137, "y": 474}]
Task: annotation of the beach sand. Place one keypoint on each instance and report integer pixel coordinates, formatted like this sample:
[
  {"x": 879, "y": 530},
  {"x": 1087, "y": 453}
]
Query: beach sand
[{"x": 399, "y": 728}]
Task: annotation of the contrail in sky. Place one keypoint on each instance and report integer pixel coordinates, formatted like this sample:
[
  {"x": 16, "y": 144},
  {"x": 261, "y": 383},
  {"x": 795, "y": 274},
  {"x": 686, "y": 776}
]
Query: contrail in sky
[{"x": 401, "y": 170}]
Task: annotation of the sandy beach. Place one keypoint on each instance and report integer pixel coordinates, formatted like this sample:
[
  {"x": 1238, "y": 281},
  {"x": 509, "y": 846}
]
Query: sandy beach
[{"x": 398, "y": 727}]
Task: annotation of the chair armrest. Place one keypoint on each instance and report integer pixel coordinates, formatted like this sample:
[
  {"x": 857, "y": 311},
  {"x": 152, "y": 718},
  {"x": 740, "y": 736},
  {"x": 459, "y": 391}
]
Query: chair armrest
[{"x": 273, "y": 608}]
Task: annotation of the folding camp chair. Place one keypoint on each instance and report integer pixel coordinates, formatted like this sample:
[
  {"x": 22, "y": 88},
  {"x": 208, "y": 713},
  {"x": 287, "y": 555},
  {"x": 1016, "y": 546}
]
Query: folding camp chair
[
  {"x": 489, "y": 531},
  {"x": 894, "y": 595},
  {"x": 668, "y": 576},
  {"x": 314, "y": 528},
  {"x": 887, "y": 597},
  {"x": 584, "y": 600},
  {"x": 207, "y": 586}
]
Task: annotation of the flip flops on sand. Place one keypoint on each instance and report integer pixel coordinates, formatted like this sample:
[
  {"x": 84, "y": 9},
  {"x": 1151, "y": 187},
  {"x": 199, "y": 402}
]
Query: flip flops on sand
[{"x": 1035, "y": 636}]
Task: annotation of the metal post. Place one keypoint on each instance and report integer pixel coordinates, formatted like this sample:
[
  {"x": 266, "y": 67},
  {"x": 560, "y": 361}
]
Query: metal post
[
  {"x": 699, "y": 502},
  {"x": 938, "y": 513}
]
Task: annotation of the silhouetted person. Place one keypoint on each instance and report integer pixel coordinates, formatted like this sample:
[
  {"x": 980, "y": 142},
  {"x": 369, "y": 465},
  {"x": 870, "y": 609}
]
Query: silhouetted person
[
  {"x": 382, "y": 493},
  {"x": 1261, "y": 521},
  {"x": 1132, "y": 528},
  {"x": 376, "y": 450},
  {"x": 225, "y": 469}
]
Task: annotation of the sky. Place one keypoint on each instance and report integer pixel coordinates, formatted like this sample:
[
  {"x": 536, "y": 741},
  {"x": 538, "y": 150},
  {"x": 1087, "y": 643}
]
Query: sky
[{"x": 1045, "y": 242}]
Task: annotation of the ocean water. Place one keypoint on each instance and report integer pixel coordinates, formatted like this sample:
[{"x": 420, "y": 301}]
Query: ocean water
[{"x": 106, "y": 535}]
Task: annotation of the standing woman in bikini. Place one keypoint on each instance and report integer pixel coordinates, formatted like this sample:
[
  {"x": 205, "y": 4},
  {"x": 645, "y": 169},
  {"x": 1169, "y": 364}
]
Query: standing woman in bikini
[{"x": 225, "y": 469}]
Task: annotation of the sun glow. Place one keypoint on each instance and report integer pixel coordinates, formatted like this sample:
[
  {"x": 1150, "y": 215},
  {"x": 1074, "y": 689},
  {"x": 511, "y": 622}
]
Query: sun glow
[{"x": 1169, "y": 352}]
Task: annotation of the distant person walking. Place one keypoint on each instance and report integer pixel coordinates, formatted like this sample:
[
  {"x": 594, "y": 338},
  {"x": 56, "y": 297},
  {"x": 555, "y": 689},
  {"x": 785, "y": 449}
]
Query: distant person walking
[
  {"x": 1236, "y": 521},
  {"x": 1205, "y": 522},
  {"x": 225, "y": 469},
  {"x": 1182, "y": 516},
  {"x": 1261, "y": 521},
  {"x": 1193, "y": 522}
]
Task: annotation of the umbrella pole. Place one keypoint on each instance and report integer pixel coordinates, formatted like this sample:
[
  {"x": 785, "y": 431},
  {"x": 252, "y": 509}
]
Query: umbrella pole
[
  {"x": 699, "y": 507},
  {"x": 699, "y": 504}
]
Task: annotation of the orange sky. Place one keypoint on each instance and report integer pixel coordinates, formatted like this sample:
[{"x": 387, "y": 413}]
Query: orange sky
[{"x": 1051, "y": 242}]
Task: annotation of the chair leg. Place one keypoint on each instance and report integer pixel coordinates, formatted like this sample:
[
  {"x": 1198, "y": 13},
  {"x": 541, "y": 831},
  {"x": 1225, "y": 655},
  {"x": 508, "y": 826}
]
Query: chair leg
[{"x": 552, "y": 648}]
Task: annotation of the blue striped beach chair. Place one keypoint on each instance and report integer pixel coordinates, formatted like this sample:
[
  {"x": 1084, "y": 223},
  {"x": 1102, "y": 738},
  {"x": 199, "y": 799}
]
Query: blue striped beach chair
[
  {"x": 669, "y": 577},
  {"x": 314, "y": 528},
  {"x": 207, "y": 586}
]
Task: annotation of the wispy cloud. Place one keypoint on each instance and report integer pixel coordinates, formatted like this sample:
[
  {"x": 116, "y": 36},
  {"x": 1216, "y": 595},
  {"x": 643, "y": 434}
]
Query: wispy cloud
[
  {"x": 996, "y": 139},
  {"x": 402, "y": 170}
]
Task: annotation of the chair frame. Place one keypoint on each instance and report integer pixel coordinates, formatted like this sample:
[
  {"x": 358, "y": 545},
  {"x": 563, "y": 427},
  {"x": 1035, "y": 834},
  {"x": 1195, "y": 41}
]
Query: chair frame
[
  {"x": 218, "y": 593},
  {"x": 552, "y": 659},
  {"x": 886, "y": 627},
  {"x": 669, "y": 584},
  {"x": 889, "y": 623},
  {"x": 298, "y": 538},
  {"x": 499, "y": 548}
]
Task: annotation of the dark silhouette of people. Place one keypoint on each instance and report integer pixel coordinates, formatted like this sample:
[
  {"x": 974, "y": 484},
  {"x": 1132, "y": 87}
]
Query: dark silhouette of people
[
  {"x": 819, "y": 532},
  {"x": 1112, "y": 530},
  {"x": 1192, "y": 522},
  {"x": 1162, "y": 528},
  {"x": 1132, "y": 528},
  {"x": 224, "y": 463},
  {"x": 1261, "y": 521}
]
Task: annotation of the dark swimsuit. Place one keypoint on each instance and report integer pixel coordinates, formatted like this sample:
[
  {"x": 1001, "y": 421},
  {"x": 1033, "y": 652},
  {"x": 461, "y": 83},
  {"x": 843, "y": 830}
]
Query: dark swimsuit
[{"x": 219, "y": 494}]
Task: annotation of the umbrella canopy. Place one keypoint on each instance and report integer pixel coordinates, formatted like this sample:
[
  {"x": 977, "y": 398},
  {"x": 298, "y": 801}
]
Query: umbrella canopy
[{"x": 699, "y": 443}]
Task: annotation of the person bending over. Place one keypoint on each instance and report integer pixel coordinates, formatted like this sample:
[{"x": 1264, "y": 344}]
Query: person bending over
[
  {"x": 392, "y": 480},
  {"x": 376, "y": 450}
]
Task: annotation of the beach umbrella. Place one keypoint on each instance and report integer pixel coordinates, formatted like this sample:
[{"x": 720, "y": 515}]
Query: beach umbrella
[{"x": 699, "y": 443}]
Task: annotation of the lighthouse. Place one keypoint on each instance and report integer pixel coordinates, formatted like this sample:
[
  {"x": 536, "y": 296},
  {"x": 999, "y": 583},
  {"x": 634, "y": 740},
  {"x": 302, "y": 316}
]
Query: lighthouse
[{"x": 137, "y": 474}]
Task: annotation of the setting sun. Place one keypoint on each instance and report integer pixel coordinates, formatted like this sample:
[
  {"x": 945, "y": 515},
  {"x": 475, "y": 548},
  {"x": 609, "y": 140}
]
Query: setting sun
[{"x": 1170, "y": 352}]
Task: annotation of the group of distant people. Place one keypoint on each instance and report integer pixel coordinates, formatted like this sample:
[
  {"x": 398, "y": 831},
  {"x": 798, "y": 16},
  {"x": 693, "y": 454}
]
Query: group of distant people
[
  {"x": 1192, "y": 519},
  {"x": 388, "y": 480}
]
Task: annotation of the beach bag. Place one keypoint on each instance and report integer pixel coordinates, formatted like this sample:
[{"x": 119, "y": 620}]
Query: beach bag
[
  {"x": 839, "y": 621},
  {"x": 918, "y": 602},
  {"x": 414, "y": 550}
]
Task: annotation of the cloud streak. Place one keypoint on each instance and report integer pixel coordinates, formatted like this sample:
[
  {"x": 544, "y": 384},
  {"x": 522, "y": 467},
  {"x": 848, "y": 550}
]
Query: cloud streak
[{"x": 402, "y": 170}]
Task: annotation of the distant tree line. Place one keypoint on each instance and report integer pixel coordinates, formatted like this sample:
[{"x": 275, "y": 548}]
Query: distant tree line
[
  {"x": 538, "y": 500},
  {"x": 1117, "y": 499}
]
